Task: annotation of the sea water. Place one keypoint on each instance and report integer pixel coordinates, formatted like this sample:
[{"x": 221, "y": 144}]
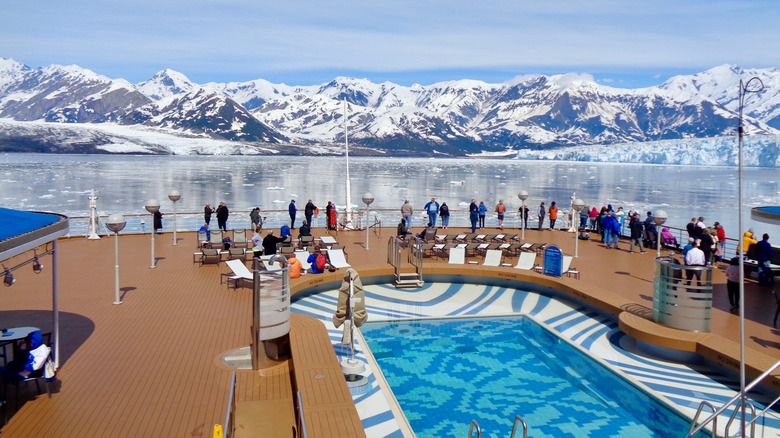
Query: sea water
[{"x": 62, "y": 183}]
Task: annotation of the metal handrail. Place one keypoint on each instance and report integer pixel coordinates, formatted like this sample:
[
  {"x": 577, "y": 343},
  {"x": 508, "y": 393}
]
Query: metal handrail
[
  {"x": 733, "y": 399},
  {"x": 301, "y": 418},
  {"x": 698, "y": 412},
  {"x": 471, "y": 429},
  {"x": 734, "y": 416},
  {"x": 514, "y": 428},
  {"x": 229, "y": 417},
  {"x": 394, "y": 255}
]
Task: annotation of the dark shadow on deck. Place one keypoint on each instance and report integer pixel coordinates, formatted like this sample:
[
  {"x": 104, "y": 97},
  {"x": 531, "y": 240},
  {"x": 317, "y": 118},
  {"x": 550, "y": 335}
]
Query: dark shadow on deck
[{"x": 75, "y": 329}]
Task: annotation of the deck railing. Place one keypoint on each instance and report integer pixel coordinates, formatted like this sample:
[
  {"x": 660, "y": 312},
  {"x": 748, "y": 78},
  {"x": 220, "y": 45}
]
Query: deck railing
[{"x": 682, "y": 295}]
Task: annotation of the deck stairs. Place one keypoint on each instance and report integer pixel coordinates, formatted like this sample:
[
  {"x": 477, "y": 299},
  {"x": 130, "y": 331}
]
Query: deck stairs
[{"x": 394, "y": 257}]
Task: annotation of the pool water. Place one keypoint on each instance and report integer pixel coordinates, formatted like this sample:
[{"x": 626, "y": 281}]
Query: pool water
[{"x": 446, "y": 372}]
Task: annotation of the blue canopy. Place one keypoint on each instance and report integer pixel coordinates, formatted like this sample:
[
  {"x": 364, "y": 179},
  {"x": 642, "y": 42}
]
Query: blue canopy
[
  {"x": 21, "y": 231},
  {"x": 767, "y": 215}
]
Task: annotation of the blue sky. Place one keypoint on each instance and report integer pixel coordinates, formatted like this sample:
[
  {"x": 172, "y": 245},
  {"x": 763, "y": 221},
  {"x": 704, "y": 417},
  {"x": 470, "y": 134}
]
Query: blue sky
[{"x": 626, "y": 43}]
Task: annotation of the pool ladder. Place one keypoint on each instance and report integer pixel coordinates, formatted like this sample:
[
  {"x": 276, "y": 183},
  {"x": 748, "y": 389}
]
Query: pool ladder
[{"x": 518, "y": 419}]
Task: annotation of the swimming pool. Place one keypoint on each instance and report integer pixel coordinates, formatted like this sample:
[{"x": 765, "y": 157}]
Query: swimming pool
[
  {"x": 683, "y": 385},
  {"x": 446, "y": 372}
]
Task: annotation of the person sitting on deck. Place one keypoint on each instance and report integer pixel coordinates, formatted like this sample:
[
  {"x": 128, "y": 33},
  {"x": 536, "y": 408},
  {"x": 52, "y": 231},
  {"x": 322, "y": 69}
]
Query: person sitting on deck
[
  {"x": 29, "y": 357},
  {"x": 667, "y": 238},
  {"x": 295, "y": 266},
  {"x": 429, "y": 231},
  {"x": 317, "y": 261},
  {"x": 401, "y": 230},
  {"x": 285, "y": 231},
  {"x": 205, "y": 228},
  {"x": 305, "y": 230}
]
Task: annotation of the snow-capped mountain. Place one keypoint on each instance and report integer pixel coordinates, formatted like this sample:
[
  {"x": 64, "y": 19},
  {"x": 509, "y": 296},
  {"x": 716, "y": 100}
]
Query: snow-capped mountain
[
  {"x": 68, "y": 94},
  {"x": 453, "y": 118},
  {"x": 202, "y": 112},
  {"x": 166, "y": 83}
]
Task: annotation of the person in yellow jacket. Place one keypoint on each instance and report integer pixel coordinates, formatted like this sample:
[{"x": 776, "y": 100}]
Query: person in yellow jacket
[{"x": 747, "y": 240}]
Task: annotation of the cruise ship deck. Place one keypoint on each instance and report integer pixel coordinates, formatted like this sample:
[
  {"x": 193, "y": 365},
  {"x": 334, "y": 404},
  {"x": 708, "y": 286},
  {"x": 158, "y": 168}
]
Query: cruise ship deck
[{"x": 151, "y": 365}]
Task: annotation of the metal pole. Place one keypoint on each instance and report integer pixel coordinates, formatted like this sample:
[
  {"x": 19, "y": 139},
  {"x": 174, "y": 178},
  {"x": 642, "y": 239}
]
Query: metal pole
[
  {"x": 175, "y": 242},
  {"x": 55, "y": 306},
  {"x": 744, "y": 88},
  {"x": 367, "y": 215},
  {"x": 117, "y": 300},
  {"x": 153, "y": 265},
  {"x": 348, "y": 209}
]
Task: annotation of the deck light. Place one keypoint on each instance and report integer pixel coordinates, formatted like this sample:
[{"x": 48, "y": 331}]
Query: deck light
[
  {"x": 523, "y": 195},
  {"x": 115, "y": 223},
  {"x": 152, "y": 206},
  {"x": 174, "y": 196},
  {"x": 659, "y": 218},
  {"x": 37, "y": 266},
  {"x": 576, "y": 205},
  {"x": 368, "y": 198},
  {"x": 9, "y": 278}
]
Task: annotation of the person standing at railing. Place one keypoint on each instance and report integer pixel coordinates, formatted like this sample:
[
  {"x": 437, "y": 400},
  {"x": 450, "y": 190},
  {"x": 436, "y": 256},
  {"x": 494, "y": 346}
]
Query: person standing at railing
[
  {"x": 207, "y": 212},
  {"x": 721, "y": 233},
  {"x": 222, "y": 216},
  {"x": 473, "y": 215},
  {"x": 553, "y": 211},
  {"x": 309, "y": 211},
  {"x": 482, "y": 213},
  {"x": 292, "y": 211},
  {"x": 432, "y": 208},
  {"x": 444, "y": 212}
]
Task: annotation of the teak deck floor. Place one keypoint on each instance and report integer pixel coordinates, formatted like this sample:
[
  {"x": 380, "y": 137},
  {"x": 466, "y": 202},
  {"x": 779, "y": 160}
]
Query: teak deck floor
[{"x": 150, "y": 366}]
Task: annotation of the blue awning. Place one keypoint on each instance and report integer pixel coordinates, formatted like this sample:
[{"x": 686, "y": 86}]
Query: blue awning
[{"x": 21, "y": 231}]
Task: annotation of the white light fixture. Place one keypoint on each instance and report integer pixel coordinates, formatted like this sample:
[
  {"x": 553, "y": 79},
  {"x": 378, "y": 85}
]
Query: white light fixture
[
  {"x": 152, "y": 206},
  {"x": 576, "y": 205},
  {"x": 523, "y": 195},
  {"x": 174, "y": 196},
  {"x": 368, "y": 198},
  {"x": 116, "y": 223}
]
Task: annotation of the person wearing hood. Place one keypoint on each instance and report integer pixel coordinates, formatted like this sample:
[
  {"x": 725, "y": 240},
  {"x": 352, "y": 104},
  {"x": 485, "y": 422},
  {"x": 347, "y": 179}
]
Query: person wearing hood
[
  {"x": 30, "y": 357},
  {"x": 359, "y": 315},
  {"x": 667, "y": 238},
  {"x": 747, "y": 240}
]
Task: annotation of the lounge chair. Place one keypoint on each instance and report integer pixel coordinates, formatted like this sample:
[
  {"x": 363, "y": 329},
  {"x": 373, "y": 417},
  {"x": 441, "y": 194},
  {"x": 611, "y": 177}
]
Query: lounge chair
[
  {"x": 526, "y": 261},
  {"x": 443, "y": 250},
  {"x": 537, "y": 247},
  {"x": 492, "y": 258},
  {"x": 328, "y": 240},
  {"x": 203, "y": 239},
  {"x": 337, "y": 259},
  {"x": 239, "y": 238},
  {"x": 216, "y": 239},
  {"x": 306, "y": 241},
  {"x": 210, "y": 255},
  {"x": 237, "y": 253},
  {"x": 457, "y": 256},
  {"x": 471, "y": 248},
  {"x": 566, "y": 268},
  {"x": 240, "y": 274},
  {"x": 302, "y": 256}
]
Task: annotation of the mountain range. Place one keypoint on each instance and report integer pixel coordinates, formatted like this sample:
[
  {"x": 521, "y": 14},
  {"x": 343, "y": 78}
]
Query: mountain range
[{"x": 527, "y": 115}]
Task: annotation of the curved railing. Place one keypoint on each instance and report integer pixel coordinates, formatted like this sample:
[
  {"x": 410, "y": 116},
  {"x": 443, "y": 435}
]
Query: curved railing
[{"x": 682, "y": 295}]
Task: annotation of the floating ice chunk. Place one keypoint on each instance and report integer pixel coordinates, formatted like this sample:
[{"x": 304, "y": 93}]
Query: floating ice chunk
[
  {"x": 274, "y": 188},
  {"x": 457, "y": 183},
  {"x": 277, "y": 201}
]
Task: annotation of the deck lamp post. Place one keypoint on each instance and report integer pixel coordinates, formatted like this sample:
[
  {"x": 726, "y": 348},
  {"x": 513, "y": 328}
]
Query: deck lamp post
[
  {"x": 174, "y": 196},
  {"x": 523, "y": 195},
  {"x": 368, "y": 198},
  {"x": 115, "y": 223},
  {"x": 659, "y": 218},
  {"x": 152, "y": 206},
  {"x": 576, "y": 205}
]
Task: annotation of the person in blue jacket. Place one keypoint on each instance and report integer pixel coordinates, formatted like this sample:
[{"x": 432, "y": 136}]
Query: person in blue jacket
[
  {"x": 473, "y": 215},
  {"x": 30, "y": 356},
  {"x": 312, "y": 260},
  {"x": 432, "y": 208},
  {"x": 284, "y": 231},
  {"x": 482, "y": 213},
  {"x": 292, "y": 210}
]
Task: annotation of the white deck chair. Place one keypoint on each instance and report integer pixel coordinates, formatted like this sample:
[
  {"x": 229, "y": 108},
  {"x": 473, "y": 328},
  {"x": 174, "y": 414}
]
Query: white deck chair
[
  {"x": 492, "y": 257},
  {"x": 240, "y": 272},
  {"x": 566, "y": 268},
  {"x": 457, "y": 256},
  {"x": 337, "y": 258},
  {"x": 302, "y": 256},
  {"x": 526, "y": 261}
]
